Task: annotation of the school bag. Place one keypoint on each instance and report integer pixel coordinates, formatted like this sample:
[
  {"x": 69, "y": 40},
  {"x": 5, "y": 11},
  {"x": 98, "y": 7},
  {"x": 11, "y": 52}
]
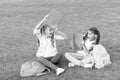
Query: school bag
[
  {"x": 101, "y": 56},
  {"x": 32, "y": 68}
]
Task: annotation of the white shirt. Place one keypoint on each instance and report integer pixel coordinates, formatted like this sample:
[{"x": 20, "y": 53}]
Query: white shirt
[
  {"x": 88, "y": 44},
  {"x": 46, "y": 48}
]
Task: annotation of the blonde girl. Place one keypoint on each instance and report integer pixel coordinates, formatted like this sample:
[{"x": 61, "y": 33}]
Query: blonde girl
[{"x": 47, "y": 53}]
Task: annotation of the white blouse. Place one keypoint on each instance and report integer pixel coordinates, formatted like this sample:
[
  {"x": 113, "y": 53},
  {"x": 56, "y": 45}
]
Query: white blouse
[{"x": 46, "y": 48}]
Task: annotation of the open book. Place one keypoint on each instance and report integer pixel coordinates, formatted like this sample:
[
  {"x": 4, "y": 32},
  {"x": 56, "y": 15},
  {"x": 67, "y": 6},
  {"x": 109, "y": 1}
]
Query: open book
[{"x": 54, "y": 18}]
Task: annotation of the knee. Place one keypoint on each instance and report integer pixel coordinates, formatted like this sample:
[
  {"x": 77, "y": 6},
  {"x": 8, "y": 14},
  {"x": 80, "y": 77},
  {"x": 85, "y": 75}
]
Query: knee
[
  {"x": 56, "y": 59},
  {"x": 66, "y": 54},
  {"x": 41, "y": 58}
]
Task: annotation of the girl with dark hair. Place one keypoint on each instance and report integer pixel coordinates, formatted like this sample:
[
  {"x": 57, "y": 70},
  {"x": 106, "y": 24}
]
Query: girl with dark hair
[
  {"x": 47, "y": 53},
  {"x": 93, "y": 31},
  {"x": 92, "y": 52}
]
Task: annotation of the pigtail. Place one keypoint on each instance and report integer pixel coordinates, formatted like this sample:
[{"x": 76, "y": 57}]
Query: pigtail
[
  {"x": 85, "y": 37},
  {"x": 42, "y": 30},
  {"x": 52, "y": 40},
  {"x": 98, "y": 38},
  {"x": 38, "y": 41}
]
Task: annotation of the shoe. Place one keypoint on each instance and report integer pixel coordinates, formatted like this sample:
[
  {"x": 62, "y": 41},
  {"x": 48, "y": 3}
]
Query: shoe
[{"x": 59, "y": 71}]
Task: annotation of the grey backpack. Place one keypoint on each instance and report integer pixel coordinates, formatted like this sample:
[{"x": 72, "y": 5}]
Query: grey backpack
[{"x": 33, "y": 69}]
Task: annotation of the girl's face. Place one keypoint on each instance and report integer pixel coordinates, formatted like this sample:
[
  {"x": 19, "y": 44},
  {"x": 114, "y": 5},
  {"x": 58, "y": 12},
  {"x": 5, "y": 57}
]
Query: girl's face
[
  {"x": 91, "y": 35},
  {"x": 49, "y": 31}
]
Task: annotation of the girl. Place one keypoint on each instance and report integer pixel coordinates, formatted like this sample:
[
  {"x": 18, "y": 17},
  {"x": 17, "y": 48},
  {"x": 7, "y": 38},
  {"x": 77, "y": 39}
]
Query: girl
[
  {"x": 47, "y": 53},
  {"x": 92, "y": 53}
]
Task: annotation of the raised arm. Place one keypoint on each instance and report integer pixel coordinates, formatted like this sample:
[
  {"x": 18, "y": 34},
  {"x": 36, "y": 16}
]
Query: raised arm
[
  {"x": 61, "y": 33},
  {"x": 39, "y": 25}
]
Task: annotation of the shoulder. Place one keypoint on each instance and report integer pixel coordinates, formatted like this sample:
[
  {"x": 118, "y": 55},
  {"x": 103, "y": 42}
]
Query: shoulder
[{"x": 99, "y": 46}]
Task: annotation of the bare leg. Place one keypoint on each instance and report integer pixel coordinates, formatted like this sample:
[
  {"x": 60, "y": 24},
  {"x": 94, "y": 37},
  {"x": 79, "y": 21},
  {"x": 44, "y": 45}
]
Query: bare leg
[{"x": 72, "y": 59}]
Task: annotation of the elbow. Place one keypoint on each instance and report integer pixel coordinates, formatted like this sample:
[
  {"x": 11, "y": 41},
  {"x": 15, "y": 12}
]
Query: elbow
[{"x": 34, "y": 31}]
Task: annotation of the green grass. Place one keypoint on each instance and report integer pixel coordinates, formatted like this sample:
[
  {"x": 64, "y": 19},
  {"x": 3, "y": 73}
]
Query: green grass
[{"x": 17, "y": 43}]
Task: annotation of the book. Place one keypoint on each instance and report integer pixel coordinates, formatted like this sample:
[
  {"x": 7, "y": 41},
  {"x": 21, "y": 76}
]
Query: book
[{"x": 54, "y": 18}]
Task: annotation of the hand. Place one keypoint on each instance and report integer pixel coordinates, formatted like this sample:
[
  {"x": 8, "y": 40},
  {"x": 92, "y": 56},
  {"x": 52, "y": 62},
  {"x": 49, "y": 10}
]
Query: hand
[
  {"x": 47, "y": 15},
  {"x": 54, "y": 27},
  {"x": 82, "y": 42},
  {"x": 78, "y": 51}
]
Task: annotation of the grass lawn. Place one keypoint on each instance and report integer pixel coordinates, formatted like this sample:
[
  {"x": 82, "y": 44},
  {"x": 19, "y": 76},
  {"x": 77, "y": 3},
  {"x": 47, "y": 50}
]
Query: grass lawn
[{"x": 17, "y": 43}]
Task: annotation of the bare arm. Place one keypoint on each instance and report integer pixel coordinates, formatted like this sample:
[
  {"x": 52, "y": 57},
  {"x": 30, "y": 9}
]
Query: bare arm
[
  {"x": 84, "y": 48},
  {"x": 61, "y": 33},
  {"x": 39, "y": 25},
  {"x": 41, "y": 22}
]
